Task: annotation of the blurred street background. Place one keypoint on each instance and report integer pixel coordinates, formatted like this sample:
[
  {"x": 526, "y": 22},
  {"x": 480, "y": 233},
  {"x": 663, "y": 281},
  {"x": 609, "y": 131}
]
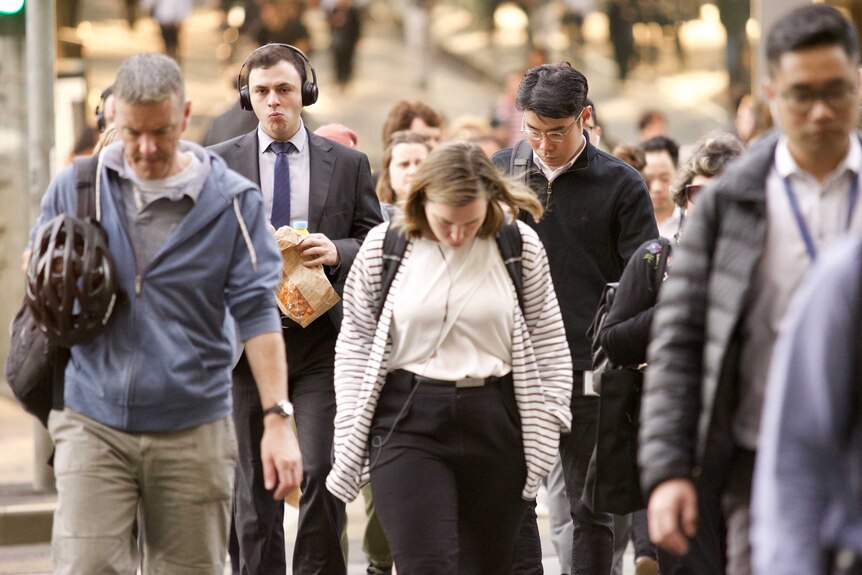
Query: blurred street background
[{"x": 691, "y": 60}]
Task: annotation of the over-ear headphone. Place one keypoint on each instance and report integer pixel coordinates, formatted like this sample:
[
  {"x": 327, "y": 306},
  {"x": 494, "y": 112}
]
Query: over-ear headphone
[
  {"x": 309, "y": 87},
  {"x": 101, "y": 123}
]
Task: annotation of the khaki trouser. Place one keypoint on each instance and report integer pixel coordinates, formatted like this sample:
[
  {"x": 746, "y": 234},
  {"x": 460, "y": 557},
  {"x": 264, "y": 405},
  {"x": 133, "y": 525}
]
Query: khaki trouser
[{"x": 181, "y": 482}]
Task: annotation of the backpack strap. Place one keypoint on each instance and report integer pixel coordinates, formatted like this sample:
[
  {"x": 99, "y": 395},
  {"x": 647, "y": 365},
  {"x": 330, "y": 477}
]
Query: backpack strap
[
  {"x": 509, "y": 242},
  {"x": 661, "y": 265},
  {"x": 86, "y": 172},
  {"x": 519, "y": 161},
  {"x": 394, "y": 246}
]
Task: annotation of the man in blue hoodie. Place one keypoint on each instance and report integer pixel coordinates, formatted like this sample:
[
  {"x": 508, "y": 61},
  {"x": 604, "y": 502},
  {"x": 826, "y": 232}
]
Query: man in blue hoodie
[{"x": 147, "y": 421}]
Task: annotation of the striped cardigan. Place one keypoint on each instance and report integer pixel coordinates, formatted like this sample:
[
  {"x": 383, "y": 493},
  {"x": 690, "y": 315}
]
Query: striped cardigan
[{"x": 541, "y": 364}]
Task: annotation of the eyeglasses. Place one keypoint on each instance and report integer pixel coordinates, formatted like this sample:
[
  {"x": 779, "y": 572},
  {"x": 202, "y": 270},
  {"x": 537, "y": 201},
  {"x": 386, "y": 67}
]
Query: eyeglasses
[
  {"x": 553, "y": 135},
  {"x": 691, "y": 191},
  {"x": 837, "y": 97}
]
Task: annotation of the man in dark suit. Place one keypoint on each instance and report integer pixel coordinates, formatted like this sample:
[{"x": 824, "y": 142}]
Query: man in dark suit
[{"x": 302, "y": 177}]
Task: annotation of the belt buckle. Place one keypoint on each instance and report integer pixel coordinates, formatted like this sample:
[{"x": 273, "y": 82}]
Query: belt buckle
[{"x": 470, "y": 382}]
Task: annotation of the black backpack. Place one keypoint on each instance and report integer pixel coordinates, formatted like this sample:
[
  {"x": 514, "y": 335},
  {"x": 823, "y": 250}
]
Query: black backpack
[
  {"x": 35, "y": 367},
  {"x": 395, "y": 243}
]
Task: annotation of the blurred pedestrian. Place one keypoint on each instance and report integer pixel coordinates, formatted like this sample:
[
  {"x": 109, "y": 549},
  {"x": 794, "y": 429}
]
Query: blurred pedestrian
[
  {"x": 416, "y": 17},
  {"x": 806, "y": 513},
  {"x": 621, "y": 19},
  {"x": 345, "y": 31},
  {"x": 281, "y": 22},
  {"x": 750, "y": 241},
  {"x": 455, "y": 429},
  {"x": 170, "y": 15}
]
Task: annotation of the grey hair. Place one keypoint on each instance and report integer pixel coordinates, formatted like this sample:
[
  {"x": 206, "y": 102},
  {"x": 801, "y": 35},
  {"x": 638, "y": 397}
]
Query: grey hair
[
  {"x": 710, "y": 156},
  {"x": 147, "y": 78}
]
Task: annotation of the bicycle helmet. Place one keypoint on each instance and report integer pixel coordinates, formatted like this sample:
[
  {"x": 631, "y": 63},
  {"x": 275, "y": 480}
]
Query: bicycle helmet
[{"x": 71, "y": 280}]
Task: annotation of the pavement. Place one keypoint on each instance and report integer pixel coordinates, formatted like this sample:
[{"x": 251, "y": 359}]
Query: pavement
[{"x": 470, "y": 69}]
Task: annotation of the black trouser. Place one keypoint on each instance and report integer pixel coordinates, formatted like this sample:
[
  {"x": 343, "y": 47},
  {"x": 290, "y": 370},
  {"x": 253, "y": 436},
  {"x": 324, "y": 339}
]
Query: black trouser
[
  {"x": 640, "y": 535},
  {"x": 593, "y": 533},
  {"x": 447, "y": 478},
  {"x": 259, "y": 519}
]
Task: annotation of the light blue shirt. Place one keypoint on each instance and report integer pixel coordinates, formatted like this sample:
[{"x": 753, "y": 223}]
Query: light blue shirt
[{"x": 808, "y": 475}]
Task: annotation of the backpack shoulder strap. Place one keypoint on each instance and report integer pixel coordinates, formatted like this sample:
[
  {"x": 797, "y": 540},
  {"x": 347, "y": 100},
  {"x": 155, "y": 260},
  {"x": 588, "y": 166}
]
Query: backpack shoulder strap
[
  {"x": 661, "y": 265},
  {"x": 519, "y": 161},
  {"x": 509, "y": 242},
  {"x": 86, "y": 169},
  {"x": 394, "y": 246}
]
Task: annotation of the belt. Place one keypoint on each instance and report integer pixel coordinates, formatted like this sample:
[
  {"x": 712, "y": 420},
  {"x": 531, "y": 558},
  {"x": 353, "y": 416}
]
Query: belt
[{"x": 458, "y": 383}]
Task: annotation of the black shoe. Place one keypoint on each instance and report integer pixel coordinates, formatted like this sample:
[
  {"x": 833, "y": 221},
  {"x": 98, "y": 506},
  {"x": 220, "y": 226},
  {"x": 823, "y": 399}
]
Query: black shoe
[{"x": 378, "y": 569}]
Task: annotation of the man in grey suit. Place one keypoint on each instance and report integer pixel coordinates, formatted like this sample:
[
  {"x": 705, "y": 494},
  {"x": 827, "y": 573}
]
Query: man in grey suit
[{"x": 302, "y": 177}]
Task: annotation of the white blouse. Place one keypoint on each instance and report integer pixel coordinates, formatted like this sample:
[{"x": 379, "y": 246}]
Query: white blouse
[{"x": 453, "y": 317}]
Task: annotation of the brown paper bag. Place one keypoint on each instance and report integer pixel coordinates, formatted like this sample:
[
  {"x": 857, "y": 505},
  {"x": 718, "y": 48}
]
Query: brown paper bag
[{"x": 304, "y": 294}]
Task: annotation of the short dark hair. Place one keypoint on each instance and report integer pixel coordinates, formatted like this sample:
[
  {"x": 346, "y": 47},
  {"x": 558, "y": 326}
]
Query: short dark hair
[
  {"x": 811, "y": 26},
  {"x": 552, "y": 91},
  {"x": 662, "y": 144},
  {"x": 270, "y": 55}
]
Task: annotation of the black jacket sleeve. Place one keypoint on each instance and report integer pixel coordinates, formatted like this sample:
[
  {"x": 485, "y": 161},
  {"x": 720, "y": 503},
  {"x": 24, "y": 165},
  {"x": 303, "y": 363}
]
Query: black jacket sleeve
[{"x": 625, "y": 334}]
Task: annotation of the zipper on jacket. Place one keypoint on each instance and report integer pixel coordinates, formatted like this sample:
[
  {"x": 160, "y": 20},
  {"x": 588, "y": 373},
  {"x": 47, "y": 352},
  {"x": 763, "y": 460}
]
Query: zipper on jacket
[
  {"x": 548, "y": 194},
  {"x": 138, "y": 282}
]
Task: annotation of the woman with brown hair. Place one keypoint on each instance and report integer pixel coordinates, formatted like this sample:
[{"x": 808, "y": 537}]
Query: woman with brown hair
[
  {"x": 401, "y": 158},
  {"x": 453, "y": 399}
]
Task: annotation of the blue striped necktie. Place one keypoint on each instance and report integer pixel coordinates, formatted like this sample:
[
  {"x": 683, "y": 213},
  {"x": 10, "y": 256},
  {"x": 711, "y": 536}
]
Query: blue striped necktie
[{"x": 281, "y": 185}]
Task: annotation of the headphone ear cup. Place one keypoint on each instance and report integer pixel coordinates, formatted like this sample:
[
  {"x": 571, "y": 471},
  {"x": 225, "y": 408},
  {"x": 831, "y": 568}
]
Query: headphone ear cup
[
  {"x": 245, "y": 99},
  {"x": 309, "y": 93}
]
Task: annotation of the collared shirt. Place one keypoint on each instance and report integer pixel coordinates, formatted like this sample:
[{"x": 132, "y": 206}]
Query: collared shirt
[
  {"x": 300, "y": 172},
  {"x": 669, "y": 227},
  {"x": 785, "y": 262},
  {"x": 552, "y": 174}
]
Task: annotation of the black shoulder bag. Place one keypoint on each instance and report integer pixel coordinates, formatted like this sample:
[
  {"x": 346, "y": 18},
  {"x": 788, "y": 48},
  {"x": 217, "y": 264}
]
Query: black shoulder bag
[
  {"x": 613, "y": 479},
  {"x": 35, "y": 367}
]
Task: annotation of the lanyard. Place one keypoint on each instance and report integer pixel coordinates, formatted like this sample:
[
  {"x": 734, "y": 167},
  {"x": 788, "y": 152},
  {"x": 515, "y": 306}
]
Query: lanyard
[{"x": 810, "y": 247}]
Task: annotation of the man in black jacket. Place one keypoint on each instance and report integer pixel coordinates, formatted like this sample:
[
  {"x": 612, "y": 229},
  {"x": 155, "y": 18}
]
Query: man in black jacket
[
  {"x": 597, "y": 212},
  {"x": 748, "y": 244}
]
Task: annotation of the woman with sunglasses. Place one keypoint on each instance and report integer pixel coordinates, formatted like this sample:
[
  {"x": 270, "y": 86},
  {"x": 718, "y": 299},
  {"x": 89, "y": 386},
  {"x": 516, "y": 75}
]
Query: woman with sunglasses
[{"x": 626, "y": 331}]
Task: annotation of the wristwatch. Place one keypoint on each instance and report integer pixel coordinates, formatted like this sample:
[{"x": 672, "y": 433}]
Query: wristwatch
[{"x": 283, "y": 408}]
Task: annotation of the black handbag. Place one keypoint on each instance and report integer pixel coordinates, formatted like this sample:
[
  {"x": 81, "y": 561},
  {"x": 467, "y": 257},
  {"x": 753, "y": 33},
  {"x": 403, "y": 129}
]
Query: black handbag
[
  {"x": 35, "y": 366},
  {"x": 613, "y": 479}
]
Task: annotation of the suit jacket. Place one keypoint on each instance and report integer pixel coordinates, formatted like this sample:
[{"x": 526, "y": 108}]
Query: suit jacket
[{"x": 342, "y": 204}]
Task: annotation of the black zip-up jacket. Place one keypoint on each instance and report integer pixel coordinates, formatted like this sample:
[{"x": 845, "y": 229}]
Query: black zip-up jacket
[{"x": 600, "y": 212}]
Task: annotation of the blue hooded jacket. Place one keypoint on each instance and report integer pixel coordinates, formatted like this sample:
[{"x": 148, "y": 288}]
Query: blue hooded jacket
[{"x": 163, "y": 362}]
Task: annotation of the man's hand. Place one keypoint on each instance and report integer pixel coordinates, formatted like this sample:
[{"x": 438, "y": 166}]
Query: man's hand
[
  {"x": 279, "y": 452},
  {"x": 316, "y": 250},
  {"x": 672, "y": 515}
]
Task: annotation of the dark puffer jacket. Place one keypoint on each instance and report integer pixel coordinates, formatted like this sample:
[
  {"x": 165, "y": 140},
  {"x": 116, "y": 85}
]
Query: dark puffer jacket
[{"x": 691, "y": 384}]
